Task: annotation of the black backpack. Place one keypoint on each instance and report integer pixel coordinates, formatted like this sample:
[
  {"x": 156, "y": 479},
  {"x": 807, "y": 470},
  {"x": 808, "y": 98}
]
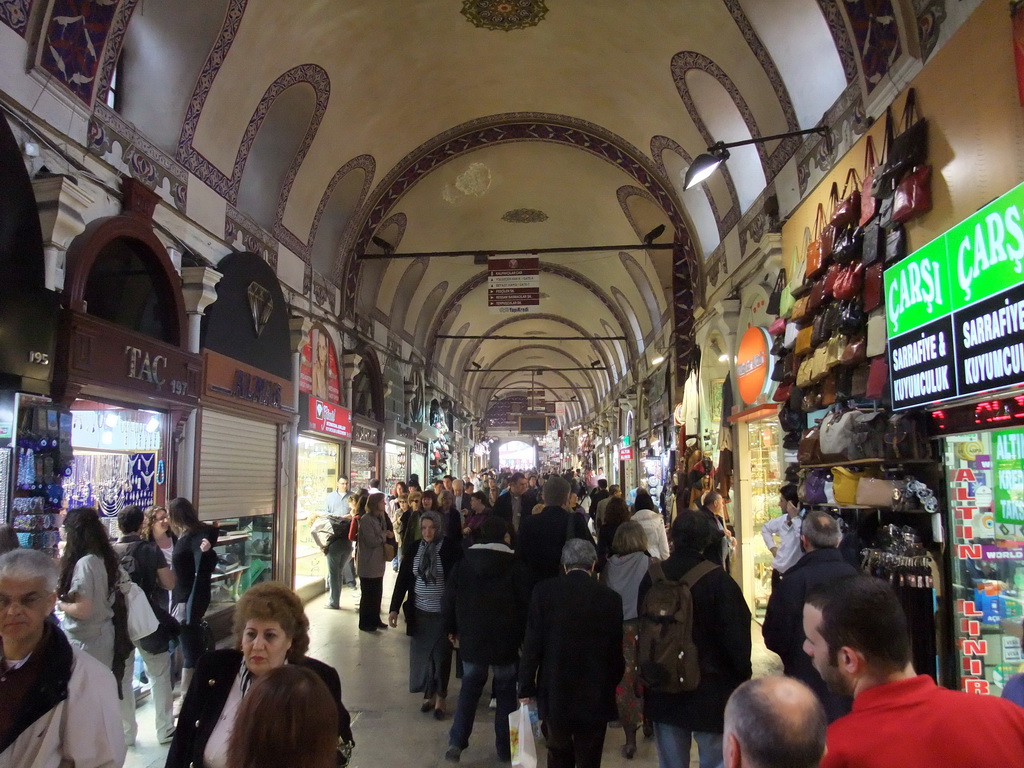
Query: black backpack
[{"x": 667, "y": 656}]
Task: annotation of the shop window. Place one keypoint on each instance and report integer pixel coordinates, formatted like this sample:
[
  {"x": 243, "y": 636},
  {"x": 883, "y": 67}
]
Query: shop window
[{"x": 123, "y": 289}]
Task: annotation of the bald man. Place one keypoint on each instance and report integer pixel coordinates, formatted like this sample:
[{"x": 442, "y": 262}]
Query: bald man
[{"x": 773, "y": 722}]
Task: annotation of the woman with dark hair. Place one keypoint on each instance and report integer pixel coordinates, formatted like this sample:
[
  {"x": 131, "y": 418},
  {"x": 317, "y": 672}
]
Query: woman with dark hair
[
  {"x": 615, "y": 514},
  {"x": 89, "y": 571},
  {"x": 421, "y": 579},
  {"x": 8, "y": 539},
  {"x": 284, "y": 721},
  {"x": 193, "y": 562},
  {"x": 271, "y": 630},
  {"x": 647, "y": 514},
  {"x": 373, "y": 534}
]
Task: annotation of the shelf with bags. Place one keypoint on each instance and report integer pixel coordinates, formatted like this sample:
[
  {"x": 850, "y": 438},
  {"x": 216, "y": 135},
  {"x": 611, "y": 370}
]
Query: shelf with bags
[
  {"x": 870, "y": 463},
  {"x": 862, "y": 507}
]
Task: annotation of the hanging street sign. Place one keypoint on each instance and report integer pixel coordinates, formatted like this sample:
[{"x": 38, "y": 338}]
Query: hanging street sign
[{"x": 513, "y": 285}]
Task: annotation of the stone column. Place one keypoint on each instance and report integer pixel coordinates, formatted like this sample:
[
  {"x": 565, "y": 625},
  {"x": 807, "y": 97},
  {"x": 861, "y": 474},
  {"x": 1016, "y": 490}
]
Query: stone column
[
  {"x": 298, "y": 328},
  {"x": 62, "y": 215},
  {"x": 199, "y": 290}
]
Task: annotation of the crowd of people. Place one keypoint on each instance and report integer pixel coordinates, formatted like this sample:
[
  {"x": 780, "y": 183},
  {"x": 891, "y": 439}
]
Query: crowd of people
[{"x": 564, "y": 596}]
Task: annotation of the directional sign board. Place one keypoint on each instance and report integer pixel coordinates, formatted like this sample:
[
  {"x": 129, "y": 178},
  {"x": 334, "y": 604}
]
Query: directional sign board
[{"x": 513, "y": 284}]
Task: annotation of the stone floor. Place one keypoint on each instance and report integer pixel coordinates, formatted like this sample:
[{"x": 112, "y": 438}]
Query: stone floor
[{"x": 388, "y": 726}]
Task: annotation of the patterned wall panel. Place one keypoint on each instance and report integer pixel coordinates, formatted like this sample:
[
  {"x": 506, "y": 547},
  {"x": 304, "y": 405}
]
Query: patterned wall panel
[
  {"x": 15, "y": 13},
  {"x": 74, "y": 40}
]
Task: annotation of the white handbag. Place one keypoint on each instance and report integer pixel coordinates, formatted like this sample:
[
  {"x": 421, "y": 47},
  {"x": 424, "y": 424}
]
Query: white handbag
[
  {"x": 876, "y": 333},
  {"x": 142, "y": 621}
]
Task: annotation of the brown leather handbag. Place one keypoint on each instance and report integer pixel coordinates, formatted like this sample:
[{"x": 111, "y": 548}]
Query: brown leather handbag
[
  {"x": 814, "y": 254},
  {"x": 809, "y": 451},
  {"x": 874, "y": 286},
  {"x": 849, "y": 282},
  {"x": 868, "y": 204},
  {"x": 848, "y": 208}
]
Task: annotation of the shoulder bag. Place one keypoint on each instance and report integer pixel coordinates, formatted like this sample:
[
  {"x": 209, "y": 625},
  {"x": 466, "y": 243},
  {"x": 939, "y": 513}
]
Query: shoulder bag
[
  {"x": 814, "y": 251},
  {"x": 809, "y": 451},
  {"x": 875, "y": 492},
  {"x": 142, "y": 621},
  {"x": 845, "y": 484},
  {"x": 905, "y": 438},
  {"x": 847, "y": 210},
  {"x": 876, "y": 333},
  {"x": 909, "y": 147},
  {"x": 873, "y": 286},
  {"x": 867, "y": 202},
  {"x": 913, "y": 196}
]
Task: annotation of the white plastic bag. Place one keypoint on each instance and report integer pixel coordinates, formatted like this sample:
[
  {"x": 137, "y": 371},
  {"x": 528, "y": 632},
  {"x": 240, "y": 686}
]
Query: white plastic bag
[
  {"x": 142, "y": 621},
  {"x": 520, "y": 734}
]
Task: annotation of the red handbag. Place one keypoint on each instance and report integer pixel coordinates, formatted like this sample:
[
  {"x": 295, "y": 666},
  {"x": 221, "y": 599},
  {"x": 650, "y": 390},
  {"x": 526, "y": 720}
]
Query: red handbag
[
  {"x": 868, "y": 204},
  {"x": 873, "y": 286},
  {"x": 782, "y": 392},
  {"x": 878, "y": 378},
  {"x": 828, "y": 231},
  {"x": 848, "y": 208},
  {"x": 913, "y": 195},
  {"x": 830, "y": 280},
  {"x": 814, "y": 257},
  {"x": 778, "y": 326},
  {"x": 849, "y": 283},
  {"x": 816, "y": 297}
]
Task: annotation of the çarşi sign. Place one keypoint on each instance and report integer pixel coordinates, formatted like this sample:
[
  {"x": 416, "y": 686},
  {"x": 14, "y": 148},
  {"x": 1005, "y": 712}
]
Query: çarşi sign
[
  {"x": 955, "y": 309},
  {"x": 328, "y": 418}
]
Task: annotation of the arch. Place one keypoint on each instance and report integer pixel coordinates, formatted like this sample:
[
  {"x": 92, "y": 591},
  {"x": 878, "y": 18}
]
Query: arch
[
  {"x": 454, "y": 350},
  {"x": 623, "y": 365},
  {"x": 368, "y": 386},
  {"x": 227, "y": 186},
  {"x": 532, "y": 126},
  {"x": 643, "y": 285},
  {"x": 634, "y": 323},
  {"x": 87, "y": 248},
  {"x": 435, "y": 297},
  {"x": 400, "y": 301},
  {"x": 392, "y": 230},
  {"x": 591, "y": 383},
  {"x": 661, "y": 144}
]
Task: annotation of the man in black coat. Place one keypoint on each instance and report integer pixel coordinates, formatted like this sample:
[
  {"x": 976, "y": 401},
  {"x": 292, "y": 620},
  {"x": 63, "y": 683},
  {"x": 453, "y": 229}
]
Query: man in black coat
[
  {"x": 516, "y": 505},
  {"x": 721, "y": 632},
  {"x": 598, "y": 495},
  {"x": 541, "y": 536},
  {"x": 783, "y": 621},
  {"x": 572, "y": 658},
  {"x": 485, "y": 604}
]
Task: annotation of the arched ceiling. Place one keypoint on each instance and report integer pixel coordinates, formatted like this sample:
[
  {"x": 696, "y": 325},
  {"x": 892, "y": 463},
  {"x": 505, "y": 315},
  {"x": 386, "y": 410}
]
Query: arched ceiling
[{"x": 483, "y": 125}]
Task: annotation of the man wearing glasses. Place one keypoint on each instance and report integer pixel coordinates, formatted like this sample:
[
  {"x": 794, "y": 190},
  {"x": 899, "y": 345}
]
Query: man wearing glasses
[{"x": 58, "y": 705}]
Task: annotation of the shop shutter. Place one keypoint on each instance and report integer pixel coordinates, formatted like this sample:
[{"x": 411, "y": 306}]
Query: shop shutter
[{"x": 237, "y": 467}]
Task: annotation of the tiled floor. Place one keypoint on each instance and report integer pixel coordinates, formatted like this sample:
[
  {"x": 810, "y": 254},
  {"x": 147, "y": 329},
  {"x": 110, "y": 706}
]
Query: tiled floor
[{"x": 388, "y": 726}]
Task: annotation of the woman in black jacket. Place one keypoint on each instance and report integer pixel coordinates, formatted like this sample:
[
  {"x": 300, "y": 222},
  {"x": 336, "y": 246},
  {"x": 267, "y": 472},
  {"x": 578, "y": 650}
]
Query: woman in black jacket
[
  {"x": 192, "y": 561},
  {"x": 421, "y": 579},
  {"x": 271, "y": 629}
]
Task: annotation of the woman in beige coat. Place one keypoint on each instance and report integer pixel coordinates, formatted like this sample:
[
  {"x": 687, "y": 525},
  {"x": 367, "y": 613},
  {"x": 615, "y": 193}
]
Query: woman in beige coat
[{"x": 370, "y": 564}]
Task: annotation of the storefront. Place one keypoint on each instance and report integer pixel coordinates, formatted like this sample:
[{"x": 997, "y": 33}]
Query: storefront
[
  {"x": 245, "y": 418},
  {"x": 397, "y": 462},
  {"x": 760, "y": 453},
  {"x": 326, "y": 429},
  {"x": 367, "y": 427},
  {"x": 418, "y": 461},
  {"x": 366, "y": 443}
]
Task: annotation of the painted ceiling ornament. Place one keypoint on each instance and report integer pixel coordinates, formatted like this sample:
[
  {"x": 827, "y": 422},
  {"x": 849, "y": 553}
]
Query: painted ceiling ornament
[
  {"x": 504, "y": 15},
  {"x": 524, "y": 216}
]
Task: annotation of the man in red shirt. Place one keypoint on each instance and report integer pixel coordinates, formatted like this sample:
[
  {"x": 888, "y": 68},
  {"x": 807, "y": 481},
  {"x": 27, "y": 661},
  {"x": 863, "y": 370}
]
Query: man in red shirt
[{"x": 858, "y": 641}]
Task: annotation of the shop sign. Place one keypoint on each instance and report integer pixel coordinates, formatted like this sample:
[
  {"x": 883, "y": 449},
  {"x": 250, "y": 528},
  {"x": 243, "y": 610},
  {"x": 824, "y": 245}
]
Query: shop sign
[
  {"x": 753, "y": 364},
  {"x": 955, "y": 309},
  {"x": 234, "y": 382},
  {"x": 329, "y": 418},
  {"x": 625, "y": 454},
  {"x": 1008, "y": 476},
  {"x": 318, "y": 372},
  {"x": 513, "y": 284}
]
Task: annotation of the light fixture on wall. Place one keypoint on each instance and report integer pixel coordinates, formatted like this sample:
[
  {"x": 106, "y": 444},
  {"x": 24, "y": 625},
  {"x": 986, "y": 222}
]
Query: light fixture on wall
[
  {"x": 706, "y": 164},
  {"x": 654, "y": 234}
]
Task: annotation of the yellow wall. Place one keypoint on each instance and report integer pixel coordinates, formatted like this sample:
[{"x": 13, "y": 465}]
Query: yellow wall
[{"x": 968, "y": 93}]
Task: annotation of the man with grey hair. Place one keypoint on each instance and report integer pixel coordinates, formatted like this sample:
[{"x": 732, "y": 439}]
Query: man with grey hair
[
  {"x": 542, "y": 536},
  {"x": 783, "y": 620},
  {"x": 58, "y": 705},
  {"x": 773, "y": 722},
  {"x": 572, "y": 656}
]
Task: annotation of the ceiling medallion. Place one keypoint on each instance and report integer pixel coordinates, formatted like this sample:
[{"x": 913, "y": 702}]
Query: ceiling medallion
[
  {"x": 524, "y": 216},
  {"x": 504, "y": 15}
]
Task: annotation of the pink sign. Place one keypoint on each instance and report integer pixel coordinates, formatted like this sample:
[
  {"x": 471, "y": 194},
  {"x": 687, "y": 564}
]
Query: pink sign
[{"x": 329, "y": 418}]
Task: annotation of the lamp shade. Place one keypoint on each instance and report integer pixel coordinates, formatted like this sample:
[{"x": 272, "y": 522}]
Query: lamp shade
[{"x": 703, "y": 166}]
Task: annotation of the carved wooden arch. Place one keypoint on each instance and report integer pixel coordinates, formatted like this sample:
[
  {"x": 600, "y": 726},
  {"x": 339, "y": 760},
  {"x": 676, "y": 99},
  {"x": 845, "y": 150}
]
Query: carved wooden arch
[
  {"x": 555, "y": 269},
  {"x": 598, "y": 349},
  {"x": 86, "y": 248}
]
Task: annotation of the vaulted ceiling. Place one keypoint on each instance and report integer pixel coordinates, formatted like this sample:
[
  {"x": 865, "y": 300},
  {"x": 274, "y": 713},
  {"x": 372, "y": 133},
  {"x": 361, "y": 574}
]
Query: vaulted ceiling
[{"x": 479, "y": 125}]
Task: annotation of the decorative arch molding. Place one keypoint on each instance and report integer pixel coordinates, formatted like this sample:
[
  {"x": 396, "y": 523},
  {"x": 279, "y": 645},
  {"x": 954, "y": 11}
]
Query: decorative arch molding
[
  {"x": 370, "y": 366},
  {"x": 464, "y": 328},
  {"x": 599, "y": 350},
  {"x": 659, "y": 144},
  {"x": 634, "y": 322},
  {"x": 312, "y": 74},
  {"x": 304, "y": 249},
  {"x": 372, "y": 274},
  {"x": 632, "y": 266},
  {"x": 837, "y": 28},
  {"x": 687, "y": 61},
  {"x": 522, "y": 127},
  {"x": 435, "y": 297},
  {"x": 555, "y": 269},
  {"x": 399, "y": 303}
]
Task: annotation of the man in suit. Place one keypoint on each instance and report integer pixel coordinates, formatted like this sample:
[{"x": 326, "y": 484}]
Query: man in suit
[
  {"x": 518, "y": 502},
  {"x": 572, "y": 658},
  {"x": 461, "y": 502},
  {"x": 541, "y": 536},
  {"x": 783, "y": 621}
]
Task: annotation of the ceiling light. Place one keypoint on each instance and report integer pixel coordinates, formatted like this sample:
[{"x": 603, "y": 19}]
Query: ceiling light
[
  {"x": 704, "y": 165},
  {"x": 595, "y": 363},
  {"x": 107, "y": 438},
  {"x": 476, "y": 365},
  {"x": 723, "y": 358},
  {"x": 658, "y": 360}
]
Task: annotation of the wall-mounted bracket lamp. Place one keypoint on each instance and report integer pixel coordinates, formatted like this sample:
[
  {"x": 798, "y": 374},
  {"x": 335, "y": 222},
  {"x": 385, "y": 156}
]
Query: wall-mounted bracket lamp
[{"x": 706, "y": 164}]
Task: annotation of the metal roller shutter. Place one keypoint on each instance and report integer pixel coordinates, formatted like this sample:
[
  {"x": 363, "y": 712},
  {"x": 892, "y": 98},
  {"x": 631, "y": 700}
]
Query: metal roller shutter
[{"x": 237, "y": 467}]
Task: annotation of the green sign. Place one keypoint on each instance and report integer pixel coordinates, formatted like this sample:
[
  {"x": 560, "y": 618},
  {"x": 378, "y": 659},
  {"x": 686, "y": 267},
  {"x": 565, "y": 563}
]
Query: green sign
[
  {"x": 1008, "y": 471},
  {"x": 978, "y": 258}
]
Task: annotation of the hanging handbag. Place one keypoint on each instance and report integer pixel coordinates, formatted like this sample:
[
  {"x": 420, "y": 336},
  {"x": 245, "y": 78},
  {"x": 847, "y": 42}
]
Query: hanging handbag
[
  {"x": 800, "y": 310},
  {"x": 875, "y": 492},
  {"x": 809, "y": 451},
  {"x": 790, "y": 420},
  {"x": 881, "y": 183},
  {"x": 895, "y": 245},
  {"x": 782, "y": 393},
  {"x": 834, "y": 351},
  {"x": 910, "y": 145},
  {"x": 827, "y": 237},
  {"x": 837, "y": 434},
  {"x": 849, "y": 282},
  {"x": 778, "y": 327},
  {"x": 859, "y": 385},
  {"x": 846, "y": 482},
  {"x": 811, "y": 400},
  {"x": 855, "y": 350},
  {"x": 867, "y": 202},
  {"x": 873, "y": 245},
  {"x": 828, "y": 390},
  {"x": 775, "y": 299},
  {"x": 819, "y": 333},
  {"x": 849, "y": 245},
  {"x": 847, "y": 210},
  {"x": 844, "y": 383},
  {"x": 829, "y": 280},
  {"x": 789, "y": 338},
  {"x": 817, "y": 295},
  {"x": 803, "y": 340},
  {"x": 814, "y": 487},
  {"x": 869, "y": 435},
  {"x": 876, "y": 333},
  {"x": 878, "y": 378},
  {"x": 814, "y": 254},
  {"x": 873, "y": 286},
  {"x": 781, "y": 368},
  {"x": 913, "y": 196},
  {"x": 803, "y": 373},
  {"x": 818, "y": 368},
  {"x": 851, "y": 318},
  {"x": 905, "y": 438}
]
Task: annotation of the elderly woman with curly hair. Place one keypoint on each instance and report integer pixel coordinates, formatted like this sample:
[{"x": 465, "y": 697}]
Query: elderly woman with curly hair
[{"x": 271, "y": 629}]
